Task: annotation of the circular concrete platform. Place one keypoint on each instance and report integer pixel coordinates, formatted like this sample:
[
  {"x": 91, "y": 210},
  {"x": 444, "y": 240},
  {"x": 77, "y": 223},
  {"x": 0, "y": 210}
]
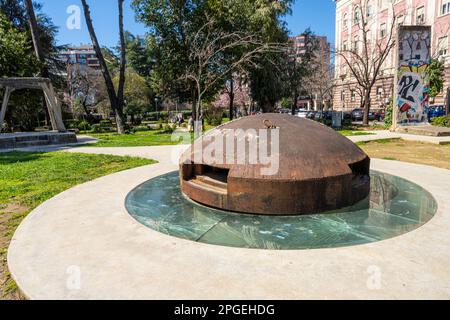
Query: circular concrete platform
[{"x": 83, "y": 244}]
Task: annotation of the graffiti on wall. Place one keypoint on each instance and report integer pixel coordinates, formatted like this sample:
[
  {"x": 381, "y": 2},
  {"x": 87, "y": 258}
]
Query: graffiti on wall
[{"x": 413, "y": 85}]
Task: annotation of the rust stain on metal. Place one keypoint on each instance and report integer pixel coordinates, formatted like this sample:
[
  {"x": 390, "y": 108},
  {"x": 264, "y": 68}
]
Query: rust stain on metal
[{"x": 319, "y": 170}]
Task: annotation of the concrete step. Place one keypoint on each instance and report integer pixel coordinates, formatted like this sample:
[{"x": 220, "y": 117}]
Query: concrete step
[
  {"x": 25, "y": 144},
  {"x": 211, "y": 181},
  {"x": 209, "y": 184},
  {"x": 429, "y": 130}
]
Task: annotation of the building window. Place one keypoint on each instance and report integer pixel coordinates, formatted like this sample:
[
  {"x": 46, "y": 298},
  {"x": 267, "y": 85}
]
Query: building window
[
  {"x": 344, "y": 45},
  {"x": 379, "y": 93},
  {"x": 344, "y": 21},
  {"x": 355, "y": 43},
  {"x": 369, "y": 11},
  {"x": 400, "y": 20},
  {"x": 420, "y": 15},
  {"x": 342, "y": 95},
  {"x": 383, "y": 30},
  {"x": 357, "y": 15},
  {"x": 445, "y": 8},
  {"x": 353, "y": 96},
  {"x": 443, "y": 46}
]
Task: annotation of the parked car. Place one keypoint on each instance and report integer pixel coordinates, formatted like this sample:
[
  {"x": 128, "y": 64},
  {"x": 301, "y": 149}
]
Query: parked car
[
  {"x": 327, "y": 115},
  {"x": 347, "y": 116},
  {"x": 302, "y": 114},
  {"x": 372, "y": 116},
  {"x": 435, "y": 111},
  {"x": 357, "y": 114},
  {"x": 379, "y": 115},
  {"x": 311, "y": 115}
]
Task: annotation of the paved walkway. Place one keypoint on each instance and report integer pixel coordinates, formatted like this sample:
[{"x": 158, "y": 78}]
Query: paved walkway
[{"x": 385, "y": 134}]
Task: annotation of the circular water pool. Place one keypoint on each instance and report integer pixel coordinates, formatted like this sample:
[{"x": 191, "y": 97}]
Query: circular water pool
[{"x": 395, "y": 206}]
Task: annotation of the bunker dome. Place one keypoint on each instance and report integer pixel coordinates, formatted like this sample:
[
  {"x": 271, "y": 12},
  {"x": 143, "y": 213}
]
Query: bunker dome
[{"x": 313, "y": 169}]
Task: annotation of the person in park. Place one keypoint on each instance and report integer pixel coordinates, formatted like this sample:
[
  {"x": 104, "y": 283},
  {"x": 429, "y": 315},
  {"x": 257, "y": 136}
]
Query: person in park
[{"x": 191, "y": 124}]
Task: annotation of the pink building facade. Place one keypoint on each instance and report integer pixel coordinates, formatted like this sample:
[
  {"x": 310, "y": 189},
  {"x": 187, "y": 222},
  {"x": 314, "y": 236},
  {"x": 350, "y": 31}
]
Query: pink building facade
[{"x": 380, "y": 14}]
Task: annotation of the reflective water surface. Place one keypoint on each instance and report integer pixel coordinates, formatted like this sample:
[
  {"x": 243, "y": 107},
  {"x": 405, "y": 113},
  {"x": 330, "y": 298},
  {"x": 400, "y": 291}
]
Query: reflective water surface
[{"x": 394, "y": 207}]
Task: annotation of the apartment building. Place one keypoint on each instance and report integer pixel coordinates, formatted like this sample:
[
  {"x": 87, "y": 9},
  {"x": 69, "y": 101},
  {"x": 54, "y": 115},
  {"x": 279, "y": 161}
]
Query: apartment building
[
  {"x": 298, "y": 49},
  {"x": 81, "y": 55},
  {"x": 380, "y": 15}
]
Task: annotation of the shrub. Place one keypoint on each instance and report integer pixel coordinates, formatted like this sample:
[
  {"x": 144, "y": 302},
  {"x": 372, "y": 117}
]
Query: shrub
[
  {"x": 441, "y": 121},
  {"x": 389, "y": 115},
  {"x": 84, "y": 126},
  {"x": 347, "y": 123},
  {"x": 168, "y": 129},
  {"x": 213, "y": 116},
  {"x": 140, "y": 129},
  {"x": 72, "y": 124},
  {"x": 96, "y": 128},
  {"x": 106, "y": 123}
]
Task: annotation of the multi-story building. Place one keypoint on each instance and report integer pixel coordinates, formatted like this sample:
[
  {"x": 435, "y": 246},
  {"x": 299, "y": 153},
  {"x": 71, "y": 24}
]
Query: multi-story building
[
  {"x": 82, "y": 55},
  {"x": 299, "y": 43},
  {"x": 381, "y": 14}
]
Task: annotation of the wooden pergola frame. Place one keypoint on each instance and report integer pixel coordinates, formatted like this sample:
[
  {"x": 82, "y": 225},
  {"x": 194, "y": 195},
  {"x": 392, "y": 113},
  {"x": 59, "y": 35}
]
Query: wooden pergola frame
[{"x": 44, "y": 84}]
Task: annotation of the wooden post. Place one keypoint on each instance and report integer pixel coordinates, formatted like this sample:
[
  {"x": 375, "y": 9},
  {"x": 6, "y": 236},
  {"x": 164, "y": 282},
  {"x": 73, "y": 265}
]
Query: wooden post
[
  {"x": 6, "y": 97},
  {"x": 54, "y": 108}
]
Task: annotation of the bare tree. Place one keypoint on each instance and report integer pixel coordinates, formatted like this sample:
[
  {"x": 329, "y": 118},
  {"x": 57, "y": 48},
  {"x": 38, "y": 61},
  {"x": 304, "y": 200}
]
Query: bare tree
[
  {"x": 366, "y": 56},
  {"x": 116, "y": 99},
  {"x": 86, "y": 87},
  {"x": 208, "y": 64},
  {"x": 320, "y": 83}
]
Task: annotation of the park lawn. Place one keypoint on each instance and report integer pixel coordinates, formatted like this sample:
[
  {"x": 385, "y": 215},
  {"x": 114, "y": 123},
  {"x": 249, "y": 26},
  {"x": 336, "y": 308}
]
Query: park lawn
[
  {"x": 138, "y": 139},
  {"x": 349, "y": 133},
  {"x": 409, "y": 151},
  {"x": 143, "y": 138},
  {"x": 28, "y": 179}
]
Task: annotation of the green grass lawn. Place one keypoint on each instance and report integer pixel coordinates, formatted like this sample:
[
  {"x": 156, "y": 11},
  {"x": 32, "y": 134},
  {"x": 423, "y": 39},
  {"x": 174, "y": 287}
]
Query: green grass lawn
[
  {"x": 138, "y": 139},
  {"x": 156, "y": 138},
  {"x": 28, "y": 179},
  {"x": 349, "y": 133}
]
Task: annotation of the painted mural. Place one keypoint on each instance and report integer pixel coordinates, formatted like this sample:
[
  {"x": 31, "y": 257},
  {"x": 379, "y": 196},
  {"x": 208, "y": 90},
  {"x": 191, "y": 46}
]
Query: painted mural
[{"x": 413, "y": 85}]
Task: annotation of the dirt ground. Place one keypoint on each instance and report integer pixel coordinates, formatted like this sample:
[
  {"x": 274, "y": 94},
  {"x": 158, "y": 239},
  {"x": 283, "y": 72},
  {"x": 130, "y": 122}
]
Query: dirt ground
[
  {"x": 10, "y": 218},
  {"x": 408, "y": 151}
]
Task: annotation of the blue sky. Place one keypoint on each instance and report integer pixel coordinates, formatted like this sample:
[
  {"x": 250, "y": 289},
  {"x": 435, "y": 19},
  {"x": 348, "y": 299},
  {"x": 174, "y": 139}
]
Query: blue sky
[{"x": 319, "y": 15}]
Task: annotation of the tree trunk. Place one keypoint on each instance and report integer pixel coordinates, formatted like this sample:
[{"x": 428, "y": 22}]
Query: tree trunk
[
  {"x": 366, "y": 107},
  {"x": 123, "y": 52},
  {"x": 194, "y": 104},
  {"x": 86, "y": 110},
  {"x": 35, "y": 36},
  {"x": 231, "y": 97},
  {"x": 447, "y": 102},
  {"x": 294, "y": 103},
  {"x": 106, "y": 75}
]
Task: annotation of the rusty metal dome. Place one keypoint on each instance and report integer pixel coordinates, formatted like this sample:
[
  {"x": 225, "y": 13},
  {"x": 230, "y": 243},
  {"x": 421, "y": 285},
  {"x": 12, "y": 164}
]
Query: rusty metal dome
[{"x": 318, "y": 169}]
